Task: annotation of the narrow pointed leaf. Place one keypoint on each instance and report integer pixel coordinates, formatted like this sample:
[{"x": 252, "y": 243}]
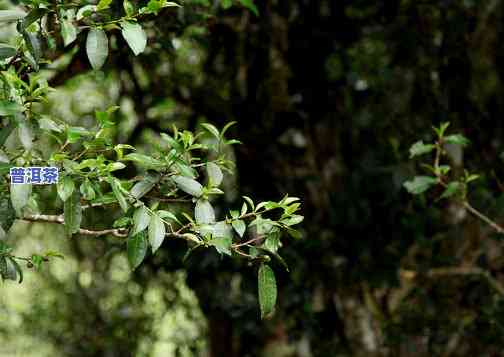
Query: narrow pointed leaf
[
  {"x": 68, "y": 32},
  {"x": 267, "y": 290},
  {"x": 116, "y": 188},
  {"x": 97, "y": 48},
  {"x": 157, "y": 232},
  {"x": 103, "y": 4},
  {"x": 72, "y": 212},
  {"x": 33, "y": 44},
  {"x": 239, "y": 226}
]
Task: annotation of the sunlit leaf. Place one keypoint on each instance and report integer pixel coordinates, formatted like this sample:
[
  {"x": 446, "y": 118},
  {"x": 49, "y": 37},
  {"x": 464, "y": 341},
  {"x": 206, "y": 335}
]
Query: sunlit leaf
[
  {"x": 135, "y": 36},
  {"x": 141, "y": 219},
  {"x": 204, "y": 212},
  {"x": 188, "y": 185},
  {"x": 157, "y": 232},
  {"x": 97, "y": 47}
]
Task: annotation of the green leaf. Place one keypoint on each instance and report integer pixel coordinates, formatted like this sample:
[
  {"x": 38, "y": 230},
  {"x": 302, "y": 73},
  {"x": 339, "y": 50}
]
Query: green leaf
[
  {"x": 188, "y": 185},
  {"x": 33, "y": 45},
  {"x": 250, "y": 202},
  {"x": 141, "y": 219},
  {"x": 25, "y": 135},
  {"x": 250, "y": 5},
  {"x": 128, "y": 7},
  {"x": 272, "y": 242},
  {"x": 451, "y": 189},
  {"x": 219, "y": 229},
  {"x": 214, "y": 173},
  {"x": 221, "y": 244},
  {"x": 117, "y": 189},
  {"x": 419, "y": 148},
  {"x": 11, "y": 15},
  {"x": 267, "y": 290},
  {"x": 8, "y": 108},
  {"x": 68, "y": 32},
  {"x": 293, "y": 220},
  {"x": 167, "y": 215},
  {"x": 121, "y": 222},
  {"x": 7, "y": 51},
  {"x": 114, "y": 166},
  {"x": 20, "y": 194},
  {"x": 65, "y": 187},
  {"x": 103, "y": 4},
  {"x": 33, "y": 15},
  {"x": 137, "y": 249},
  {"x": 457, "y": 139},
  {"x": 17, "y": 268},
  {"x": 442, "y": 128},
  {"x": 141, "y": 188},
  {"x": 419, "y": 184},
  {"x": 4, "y": 270},
  {"x": 85, "y": 11},
  {"x": 32, "y": 62},
  {"x": 211, "y": 129},
  {"x": 226, "y": 127},
  {"x": 49, "y": 125},
  {"x": 37, "y": 261},
  {"x": 97, "y": 48},
  {"x": 157, "y": 232},
  {"x": 87, "y": 190},
  {"x": 204, "y": 212},
  {"x": 226, "y": 4},
  {"x": 471, "y": 178},
  {"x": 239, "y": 226},
  {"x": 72, "y": 212},
  {"x": 54, "y": 254},
  {"x": 135, "y": 36},
  {"x": 174, "y": 144},
  {"x": 11, "y": 273},
  {"x": 74, "y": 133},
  {"x": 145, "y": 161},
  {"x": 7, "y": 213}
]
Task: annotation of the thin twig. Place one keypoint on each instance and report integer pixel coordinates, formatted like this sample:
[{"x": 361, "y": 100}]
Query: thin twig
[
  {"x": 484, "y": 218},
  {"x": 58, "y": 219},
  {"x": 237, "y": 245}
]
